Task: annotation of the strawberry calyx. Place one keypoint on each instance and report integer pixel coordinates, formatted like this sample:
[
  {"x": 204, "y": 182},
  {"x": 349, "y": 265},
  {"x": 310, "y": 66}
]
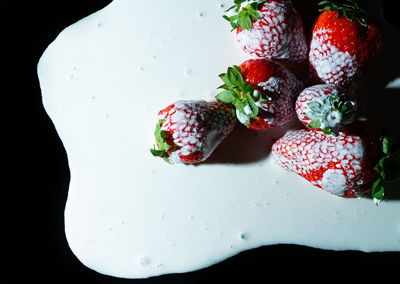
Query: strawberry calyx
[
  {"x": 241, "y": 95},
  {"x": 330, "y": 113},
  {"x": 243, "y": 13},
  {"x": 388, "y": 168},
  {"x": 349, "y": 9},
  {"x": 164, "y": 142}
]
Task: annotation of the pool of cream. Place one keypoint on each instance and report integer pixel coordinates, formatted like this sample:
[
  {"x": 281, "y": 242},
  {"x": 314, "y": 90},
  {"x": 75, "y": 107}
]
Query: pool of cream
[{"x": 128, "y": 214}]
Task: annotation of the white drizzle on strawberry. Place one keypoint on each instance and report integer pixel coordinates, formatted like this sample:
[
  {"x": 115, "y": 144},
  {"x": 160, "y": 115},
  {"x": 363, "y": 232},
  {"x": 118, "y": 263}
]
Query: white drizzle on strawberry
[
  {"x": 305, "y": 152},
  {"x": 334, "y": 181},
  {"x": 197, "y": 126},
  {"x": 331, "y": 65},
  {"x": 317, "y": 93},
  {"x": 275, "y": 35}
]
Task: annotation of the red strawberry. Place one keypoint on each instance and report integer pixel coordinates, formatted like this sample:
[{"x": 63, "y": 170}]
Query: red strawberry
[
  {"x": 263, "y": 92},
  {"x": 269, "y": 29},
  {"x": 347, "y": 165},
  {"x": 189, "y": 131},
  {"x": 324, "y": 107},
  {"x": 344, "y": 43}
]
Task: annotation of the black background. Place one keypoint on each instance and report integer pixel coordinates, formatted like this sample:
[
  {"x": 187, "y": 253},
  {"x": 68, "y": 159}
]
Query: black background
[{"x": 35, "y": 176}]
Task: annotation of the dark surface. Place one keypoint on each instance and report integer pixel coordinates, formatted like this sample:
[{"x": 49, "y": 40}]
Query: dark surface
[{"x": 34, "y": 177}]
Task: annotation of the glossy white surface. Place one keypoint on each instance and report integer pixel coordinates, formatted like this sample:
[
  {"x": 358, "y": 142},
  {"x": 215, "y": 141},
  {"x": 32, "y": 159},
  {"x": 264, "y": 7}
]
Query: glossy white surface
[{"x": 131, "y": 215}]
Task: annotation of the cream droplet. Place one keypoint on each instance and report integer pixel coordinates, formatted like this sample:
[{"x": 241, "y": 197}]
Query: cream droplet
[{"x": 144, "y": 261}]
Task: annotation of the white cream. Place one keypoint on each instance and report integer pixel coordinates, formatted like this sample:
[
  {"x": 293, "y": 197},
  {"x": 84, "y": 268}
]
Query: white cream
[
  {"x": 131, "y": 215},
  {"x": 271, "y": 37},
  {"x": 334, "y": 181},
  {"x": 331, "y": 64},
  {"x": 393, "y": 84}
]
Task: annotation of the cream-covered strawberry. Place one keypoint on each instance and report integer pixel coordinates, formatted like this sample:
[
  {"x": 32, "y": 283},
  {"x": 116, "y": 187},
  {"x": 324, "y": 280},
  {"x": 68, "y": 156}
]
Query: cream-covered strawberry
[
  {"x": 263, "y": 92},
  {"x": 325, "y": 107},
  {"x": 189, "y": 131},
  {"x": 345, "y": 41},
  {"x": 269, "y": 29},
  {"x": 347, "y": 165}
]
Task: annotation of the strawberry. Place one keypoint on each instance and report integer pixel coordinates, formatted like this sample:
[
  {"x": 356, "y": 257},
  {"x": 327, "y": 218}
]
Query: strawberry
[
  {"x": 263, "y": 92},
  {"x": 348, "y": 165},
  {"x": 344, "y": 44},
  {"x": 269, "y": 29},
  {"x": 324, "y": 107},
  {"x": 189, "y": 131}
]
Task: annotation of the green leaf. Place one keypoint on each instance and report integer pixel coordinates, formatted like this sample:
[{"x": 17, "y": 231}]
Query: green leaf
[
  {"x": 234, "y": 26},
  {"x": 253, "y": 11},
  {"x": 329, "y": 131},
  {"x": 224, "y": 77},
  {"x": 386, "y": 145},
  {"x": 160, "y": 136},
  {"x": 247, "y": 88},
  {"x": 235, "y": 76},
  {"x": 226, "y": 97},
  {"x": 233, "y": 79},
  {"x": 245, "y": 21},
  {"x": 343, "y": 13},
  {"x": 326, "y": 131},
  {"x": 157, "y": 153},
  {"x": 251, "y": 108},
  {"x": 313, "y": 115},
  {"x": 334, "y": 132},
  {"x": 264, "y": 98},
  {"x": 388, "y": 167},
  {"x": 224, "y": 86},
  {"x": 334, "y": 97},
  {"x": 381, "y": 165},
  {"x": 314, "y": 124},
  {"x": 241, "y": 114},
  {"x": 378, "y": 191},
  {"x": 323, "y": 109},
  {"x": 255, "y": 6},
  {"x": 230, "y": 8},
  {"x": 315, "y": 107},
  {"x": 243, "y": 16},
  {"x": 378, "y": 194},
  {"x": 324, "y": 2},
  {"x": 377, "y": 183},
  {"x": 239, "y": 93},
  {"x": 237, "y": 68},
  {"x": 347, "y": 108},
  {"x": 350, "y": 10}
]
